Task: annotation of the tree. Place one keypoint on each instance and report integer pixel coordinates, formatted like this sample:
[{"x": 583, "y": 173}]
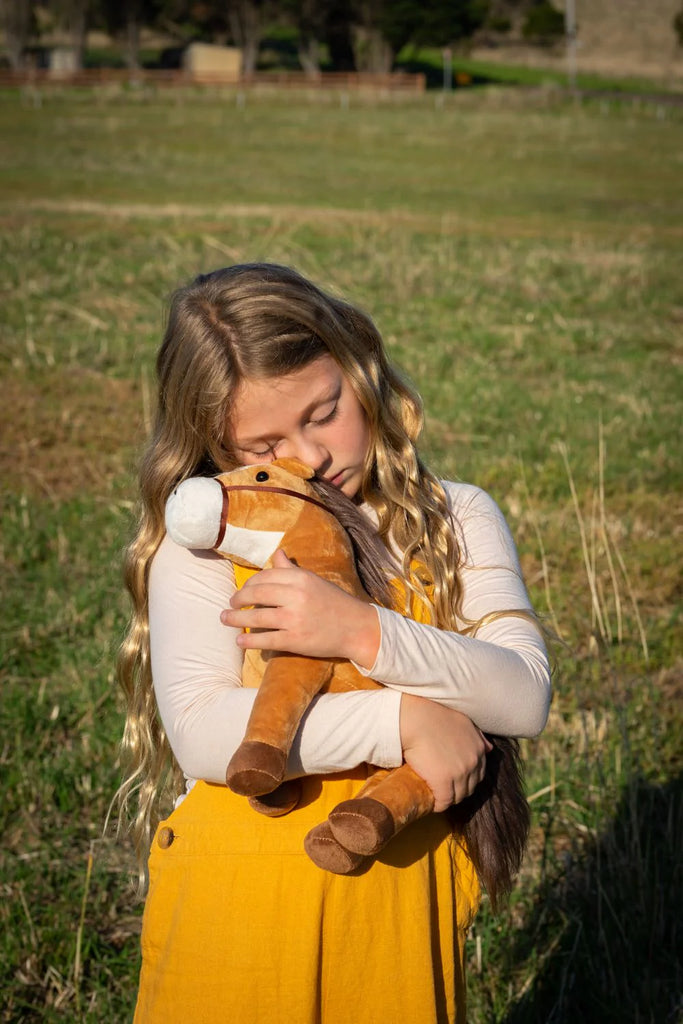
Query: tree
[
  {"x": 16, "y": 18},
  {"x": 381, "y": 29},
  {"x": 340, "y": 17},
  {"x": 246, "y": 19},
  {"x": 544, "y": 23},
  {"x": 367, "y": 35},
  {"x": 311, "y": 25},
  {"x": 73, "y": 16},
  {"x": 678, "y": 26},
  {"x": 123, "y": 20},
  {"x": 187, "y": 20},
  {"x": 447, "y": 21},
  {"x": 309, "y": 18}
]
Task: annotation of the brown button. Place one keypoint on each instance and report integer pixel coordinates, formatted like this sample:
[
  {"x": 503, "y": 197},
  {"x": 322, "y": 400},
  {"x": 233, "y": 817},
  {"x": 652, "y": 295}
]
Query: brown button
[{"x": 165, "y": 838}]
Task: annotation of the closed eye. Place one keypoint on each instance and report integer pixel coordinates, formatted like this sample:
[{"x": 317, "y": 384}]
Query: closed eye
[
  {"x": 328, "y": 418},
  {"x": 270, "y": 450}
]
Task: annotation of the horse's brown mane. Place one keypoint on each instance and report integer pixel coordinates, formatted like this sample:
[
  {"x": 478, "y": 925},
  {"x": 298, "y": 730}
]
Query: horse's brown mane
[{"x": 372, "y": 558}]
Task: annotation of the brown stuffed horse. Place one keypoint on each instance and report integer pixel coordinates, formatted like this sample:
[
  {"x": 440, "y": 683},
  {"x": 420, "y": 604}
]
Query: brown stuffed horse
[{"x": 246, "y": 515}]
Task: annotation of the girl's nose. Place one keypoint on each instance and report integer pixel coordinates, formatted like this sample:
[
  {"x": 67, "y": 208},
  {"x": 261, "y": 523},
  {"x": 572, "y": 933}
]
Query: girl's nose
[{"x": 313, "y": 454}]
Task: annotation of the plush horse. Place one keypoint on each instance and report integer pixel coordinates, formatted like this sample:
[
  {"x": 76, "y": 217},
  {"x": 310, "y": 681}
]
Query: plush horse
[{"x": 246, "y": 515}]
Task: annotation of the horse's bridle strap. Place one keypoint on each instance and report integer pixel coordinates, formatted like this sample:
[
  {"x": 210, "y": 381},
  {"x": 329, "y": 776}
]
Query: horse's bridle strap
[{"x": 251, "y": 487}]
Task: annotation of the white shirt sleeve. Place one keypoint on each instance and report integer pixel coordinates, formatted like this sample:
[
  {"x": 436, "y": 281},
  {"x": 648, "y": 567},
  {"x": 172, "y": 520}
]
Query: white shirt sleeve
[
  {"x": 501, "y": 677},
  {"x": 196, "y": 668}
]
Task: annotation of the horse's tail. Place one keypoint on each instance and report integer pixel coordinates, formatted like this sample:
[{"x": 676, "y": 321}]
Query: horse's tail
[{"x": 494, "y": 821}]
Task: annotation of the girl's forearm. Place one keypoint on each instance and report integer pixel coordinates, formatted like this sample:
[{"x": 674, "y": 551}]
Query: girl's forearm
[
  {"x": 339, "y": 732},
  {"x": 501, "y": 681}
]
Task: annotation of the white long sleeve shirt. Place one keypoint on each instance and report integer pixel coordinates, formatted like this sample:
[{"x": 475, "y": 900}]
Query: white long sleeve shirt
[{"x": 500, "y": 678}]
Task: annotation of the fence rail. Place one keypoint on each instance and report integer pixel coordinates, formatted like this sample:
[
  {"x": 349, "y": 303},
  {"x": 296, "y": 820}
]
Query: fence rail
[{"x": 342, "y": 80}]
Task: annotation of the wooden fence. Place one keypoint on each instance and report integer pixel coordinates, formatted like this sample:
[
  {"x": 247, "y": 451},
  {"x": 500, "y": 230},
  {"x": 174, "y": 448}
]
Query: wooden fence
[{"x": 348, "y": 81}]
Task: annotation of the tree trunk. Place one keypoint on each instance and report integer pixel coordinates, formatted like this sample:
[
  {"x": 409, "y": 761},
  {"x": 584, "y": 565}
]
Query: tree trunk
[
  {"x": 15, "y": 16},
  {"x": 308, "y": 52},
  {"x": 338, "y": 36},
  {"x": 73, "y": 19},
  {"x": 132, "y": 42},
  {"x": 371, "y": 50},
  {"x": 310, "y": 22},
  {"x": 244, "y": 17}
]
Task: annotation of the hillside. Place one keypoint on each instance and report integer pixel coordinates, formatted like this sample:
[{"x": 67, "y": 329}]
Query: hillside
[{"x": 623, "y": 37}]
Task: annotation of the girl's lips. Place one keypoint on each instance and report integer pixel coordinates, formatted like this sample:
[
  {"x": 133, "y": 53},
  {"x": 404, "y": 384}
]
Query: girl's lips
[{"x": 336, "y": 480}]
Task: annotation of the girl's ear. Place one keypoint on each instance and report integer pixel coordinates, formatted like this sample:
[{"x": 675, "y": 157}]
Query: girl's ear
[{"x": 296, "y": 467}]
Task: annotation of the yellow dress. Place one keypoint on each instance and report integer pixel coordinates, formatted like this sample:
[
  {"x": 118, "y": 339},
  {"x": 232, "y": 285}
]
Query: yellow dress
[{"x": 240, "y": 927}]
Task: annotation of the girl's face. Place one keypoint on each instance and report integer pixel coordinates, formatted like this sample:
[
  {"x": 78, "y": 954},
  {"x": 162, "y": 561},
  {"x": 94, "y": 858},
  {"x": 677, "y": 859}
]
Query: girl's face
[{"x": 312, "y": 414}]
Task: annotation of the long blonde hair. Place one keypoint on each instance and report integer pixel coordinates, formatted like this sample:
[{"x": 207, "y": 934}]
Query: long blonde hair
[{"x": 258, "y": 321}]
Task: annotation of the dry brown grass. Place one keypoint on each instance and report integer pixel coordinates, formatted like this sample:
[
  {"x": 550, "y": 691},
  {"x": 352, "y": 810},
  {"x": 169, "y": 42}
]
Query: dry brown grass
[{"x": 68, "y": 432}]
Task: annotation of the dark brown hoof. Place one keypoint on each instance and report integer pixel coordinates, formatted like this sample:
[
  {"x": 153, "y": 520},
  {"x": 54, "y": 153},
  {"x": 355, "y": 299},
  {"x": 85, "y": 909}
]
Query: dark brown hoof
[
  {"x": 255, "y": 768},
  {"x": 363, "y": 826},
  {"x": 281, "y": 801},
  {"x": 325, "y": 851}
]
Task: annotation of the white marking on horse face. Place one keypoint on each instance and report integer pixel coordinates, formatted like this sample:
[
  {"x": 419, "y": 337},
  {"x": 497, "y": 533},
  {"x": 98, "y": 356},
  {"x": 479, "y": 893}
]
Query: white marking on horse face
[
  {"x": 193, "y": 513},
  {"x": 253, "y": 546}
]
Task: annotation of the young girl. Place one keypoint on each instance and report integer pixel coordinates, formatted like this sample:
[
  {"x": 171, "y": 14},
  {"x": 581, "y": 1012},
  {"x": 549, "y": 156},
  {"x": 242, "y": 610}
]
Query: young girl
[{"x": 257, "y": 363}]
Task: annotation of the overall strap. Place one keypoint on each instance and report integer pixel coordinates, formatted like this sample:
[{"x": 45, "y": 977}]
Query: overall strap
[
  {"x": 242, "y": 574},
  {"x": 407, "y": 602}
]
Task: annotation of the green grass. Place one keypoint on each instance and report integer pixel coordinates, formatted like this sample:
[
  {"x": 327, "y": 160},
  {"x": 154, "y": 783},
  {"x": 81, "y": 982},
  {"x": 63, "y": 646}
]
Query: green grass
[
  {"x": 490, "y": 72},
  {"x": 524, "y": 265},
  {"x": 550, "y": 170}
]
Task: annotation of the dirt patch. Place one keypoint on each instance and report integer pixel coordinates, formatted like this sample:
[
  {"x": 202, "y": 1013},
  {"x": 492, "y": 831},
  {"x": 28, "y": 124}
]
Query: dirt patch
[
  {"x": 447, "y": 224},
  {"x": 66, "y": 432}
]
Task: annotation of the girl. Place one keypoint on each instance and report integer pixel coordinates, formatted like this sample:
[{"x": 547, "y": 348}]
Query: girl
[{"x": 258, "y": 363}]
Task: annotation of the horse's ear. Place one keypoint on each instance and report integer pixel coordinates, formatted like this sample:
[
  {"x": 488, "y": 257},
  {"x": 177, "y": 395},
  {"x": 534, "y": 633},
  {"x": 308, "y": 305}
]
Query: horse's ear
[{"x": 296, "y": 467}]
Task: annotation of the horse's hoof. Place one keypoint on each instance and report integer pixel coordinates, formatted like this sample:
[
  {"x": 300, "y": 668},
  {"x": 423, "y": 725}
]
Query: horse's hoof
[
  {"x": 281, "y": 801},
  {"x": 328, "y": 854},
  {"x": 363, "y": 825},
  {"x": 256, "y": 768}
]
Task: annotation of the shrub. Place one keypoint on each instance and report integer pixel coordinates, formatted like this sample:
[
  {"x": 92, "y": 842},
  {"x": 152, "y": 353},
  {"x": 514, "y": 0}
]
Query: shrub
[{"x": 543, "y": 24}]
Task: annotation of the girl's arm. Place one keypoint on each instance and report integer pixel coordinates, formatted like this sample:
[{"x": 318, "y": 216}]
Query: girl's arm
[
  {"x": 196, "y": 667},
  {"x": 500, "y": 678}
]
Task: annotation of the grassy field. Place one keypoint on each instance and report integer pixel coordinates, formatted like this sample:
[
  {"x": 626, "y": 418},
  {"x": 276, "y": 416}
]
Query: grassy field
[{"x": 523, "y": 258}]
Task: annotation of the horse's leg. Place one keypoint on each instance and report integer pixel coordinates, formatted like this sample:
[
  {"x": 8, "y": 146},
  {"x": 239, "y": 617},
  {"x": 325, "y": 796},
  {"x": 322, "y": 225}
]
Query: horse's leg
[
  {"x": 325, "y": 851},
  {"x": 328, "y": 854},
  {"x": 360, "y": 827},
  {"x": 380, "y": 810},
  {"x": 288, "y": 685},
  {"x": 281, "y": 801}
]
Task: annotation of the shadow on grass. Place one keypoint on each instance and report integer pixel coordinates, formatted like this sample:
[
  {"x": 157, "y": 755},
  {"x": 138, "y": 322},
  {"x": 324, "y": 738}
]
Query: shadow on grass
[
  {"x": 434, "y": 74},
  {"x": 607, "y": 938}
]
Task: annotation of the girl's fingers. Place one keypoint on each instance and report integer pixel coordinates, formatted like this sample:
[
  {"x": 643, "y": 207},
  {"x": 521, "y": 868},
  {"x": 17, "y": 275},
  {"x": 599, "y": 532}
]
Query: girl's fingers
[
  {"x": 244, "y": 620},
  {"x": 254, "y": 618},
  {"x": 444, "y": 747},
  {"x": 280, "y": 560},
  {"x": 272, "y": 595},
  {"x": 261, "y": 641},
  {"x": 288, "y": 573},
  {"x": 280, "y": 587},
  {"x": 304, "y": 614}
]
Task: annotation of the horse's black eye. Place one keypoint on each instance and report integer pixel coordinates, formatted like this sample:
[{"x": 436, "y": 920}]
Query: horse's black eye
[{"x": 262, "y": 476}]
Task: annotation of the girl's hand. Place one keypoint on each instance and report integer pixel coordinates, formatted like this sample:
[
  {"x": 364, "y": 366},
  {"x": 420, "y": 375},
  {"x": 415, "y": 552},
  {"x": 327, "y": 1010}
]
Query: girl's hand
[
  {"x": 298, "y": 612},
  {"x": 444, "y": 747}
]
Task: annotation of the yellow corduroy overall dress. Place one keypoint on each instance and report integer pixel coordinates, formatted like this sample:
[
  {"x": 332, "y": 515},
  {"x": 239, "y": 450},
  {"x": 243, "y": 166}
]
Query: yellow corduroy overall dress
[{"x": 240, "y": 927}]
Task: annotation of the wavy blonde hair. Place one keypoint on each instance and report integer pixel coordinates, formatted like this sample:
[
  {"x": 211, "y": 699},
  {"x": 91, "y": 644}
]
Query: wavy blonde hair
[{"x": 256, "y": 321}]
